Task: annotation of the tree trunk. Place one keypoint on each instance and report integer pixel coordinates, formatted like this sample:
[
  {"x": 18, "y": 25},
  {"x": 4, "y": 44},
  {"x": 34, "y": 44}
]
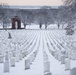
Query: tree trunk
[
  {"x": 3, "y": 26},
  {"x": 62, "y": 26},
  {"x": 58, "y": 25},
  {"x": 25, "y": 26},
  {"x": 40, "y": 26},
  {"x": 45, "y": 26}
]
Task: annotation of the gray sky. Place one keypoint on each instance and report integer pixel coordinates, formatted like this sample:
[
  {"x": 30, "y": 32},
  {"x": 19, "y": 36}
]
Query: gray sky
[{"x": 33, "y": 2}]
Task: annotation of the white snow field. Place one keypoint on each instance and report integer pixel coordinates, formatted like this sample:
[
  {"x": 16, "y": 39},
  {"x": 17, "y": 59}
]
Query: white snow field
[{"x": 37, "y": 52}]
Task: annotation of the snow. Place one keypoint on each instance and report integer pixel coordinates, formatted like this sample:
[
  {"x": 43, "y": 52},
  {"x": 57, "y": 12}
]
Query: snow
[{"x": 43, "y": 43}]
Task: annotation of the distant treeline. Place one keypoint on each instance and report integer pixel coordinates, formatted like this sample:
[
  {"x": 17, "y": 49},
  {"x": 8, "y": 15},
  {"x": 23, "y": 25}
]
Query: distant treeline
[{"x": 43, "y": 16}]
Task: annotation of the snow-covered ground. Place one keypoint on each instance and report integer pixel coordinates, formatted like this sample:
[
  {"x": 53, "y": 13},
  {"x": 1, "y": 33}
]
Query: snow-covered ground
[
  {"x": 41, "y": 47},
  {"x": 36, "y": 26}
]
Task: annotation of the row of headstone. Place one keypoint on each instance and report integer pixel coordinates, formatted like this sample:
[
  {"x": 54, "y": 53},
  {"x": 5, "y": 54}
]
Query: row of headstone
[
  {"x": 65, "y": 59},
  {"x": 22, "y": 54},
  {"x": 28, "y": 49},
  {"x": 71, "y": 53},
  {"x": 29, "y": 42},
  {"x": 6, "y": 63},
  {"x": 46, "y": 64},
  {"x": 55, "y": 51},
  {"x": 60, "y": 55},
  {"x": 30, "y": 60},
  {"x": 32, "y": 46},
  {"x": 17, "y": 57},
  {"x": 25, "y": 42}
]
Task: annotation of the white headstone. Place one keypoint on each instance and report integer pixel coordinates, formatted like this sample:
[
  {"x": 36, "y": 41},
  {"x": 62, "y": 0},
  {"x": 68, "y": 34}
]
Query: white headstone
[
  {"x": 73, "y": 71},
  {"x": 55, "y": 55},
  {"x": 46, "y": 66},
  {"x": 59, "y": 57},
  {"x": 20, "y": 57},
  {"x": 67, "y": 64},
  {"x": 73, "y": 55},
  {"x": 12, "y": 61},
  {"x": 69, "y": 54},
  {"x": 27, "y": 64},
  {"x": 62, "y": 59},
  {"x": 32, "y": 58},
  {"x": 23, "y": 55},
  {"x": 17, "y": 57},
  {"x": 6, "y": 66},
  {"x": 6, "y": 56},
  {"x": 1, "y": 59},
  {"x": 66, "y": 54}
]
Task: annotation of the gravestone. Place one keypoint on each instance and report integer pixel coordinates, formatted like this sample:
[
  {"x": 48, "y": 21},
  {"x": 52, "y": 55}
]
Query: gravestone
[
  {"x": 67, "y": 64},
  {"x": 31, "y": 58},
  {"x": 46, "y": 66},
  {"x": 23, "y": 55},
  {"x": 59, "y": 57},
  {"x": 12, "y": 62},
  {"x": 69, "y": 54},
  {"x": 55, "y": 55},
  {"x": 73, "y": 55},
  {"x": 1, "y": 59},
  {"x": 6, "y": 56},
  {"x": 35, "y": 53},
  {"x": 27, "y": 64},
  {"x": 62, "y": 59},
  {"x": 17, "y": 57},
  {"x": 20, "y": 57},
  {"x": 73, "y": 71},
  {"x": 6, "y": 63},
  {"x": 66, "y": 54},
  {"x": 6, "y": 66}
]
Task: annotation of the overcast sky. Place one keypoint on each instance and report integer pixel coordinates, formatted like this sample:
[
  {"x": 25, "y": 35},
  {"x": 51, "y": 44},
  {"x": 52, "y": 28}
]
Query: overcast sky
[{"x": 33, "y": 2}]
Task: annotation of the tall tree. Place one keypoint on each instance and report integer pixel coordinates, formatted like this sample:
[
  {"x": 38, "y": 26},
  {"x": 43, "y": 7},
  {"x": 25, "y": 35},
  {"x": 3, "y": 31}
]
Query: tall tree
[
  {"x": 71, "y": 10},
  {"x": 4, "y": 14},
  {"x": 26, "y": 17}
]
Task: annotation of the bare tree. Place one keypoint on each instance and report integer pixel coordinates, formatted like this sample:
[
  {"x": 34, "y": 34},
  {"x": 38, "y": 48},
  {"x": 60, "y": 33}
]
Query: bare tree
[
  {"x": 71, "y": 10},
  {"x": 46, "y": 10},
  {"x": 38, "y": 18},
  {"x": 4, "y": 14},
  {"x": 69, "y": 2},
  {"x": 26, "y": 17}
]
